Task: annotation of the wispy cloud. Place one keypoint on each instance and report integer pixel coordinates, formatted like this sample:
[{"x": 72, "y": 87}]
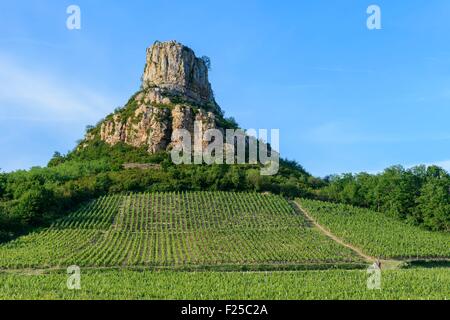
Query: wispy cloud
[
  {"x": 27, "y": 42},
  {"x": 32, "y": 94}
]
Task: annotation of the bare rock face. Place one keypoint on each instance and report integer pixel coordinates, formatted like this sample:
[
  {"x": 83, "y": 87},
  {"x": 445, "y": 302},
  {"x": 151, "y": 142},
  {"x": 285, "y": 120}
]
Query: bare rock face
[
  {"x": 174, "y": 68},
  {"x": 112, "y": 132},
  {"x": 175, "y": 93},
  {"x": 149, "y": 126},
  {"x": 183, "y": 118},
  {"x": 152, "y": 126},
  {"x": 160, "y": 130}
]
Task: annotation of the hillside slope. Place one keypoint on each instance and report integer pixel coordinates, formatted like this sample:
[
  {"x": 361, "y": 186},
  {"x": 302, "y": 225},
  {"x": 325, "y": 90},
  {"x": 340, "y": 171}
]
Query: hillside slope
[
  {"x": 378, "y": 235},
  {"x": 193, "y": 230}
]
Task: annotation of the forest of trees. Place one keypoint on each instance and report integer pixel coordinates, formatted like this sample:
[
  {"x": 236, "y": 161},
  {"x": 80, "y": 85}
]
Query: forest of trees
[{"x": 420, "y": 195}]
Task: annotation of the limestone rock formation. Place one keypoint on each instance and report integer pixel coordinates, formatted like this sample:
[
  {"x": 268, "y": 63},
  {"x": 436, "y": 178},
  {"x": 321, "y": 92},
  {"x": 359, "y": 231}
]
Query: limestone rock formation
[
  {"x": 174, "y": 68},
  {"x": 175, "y": 93}
]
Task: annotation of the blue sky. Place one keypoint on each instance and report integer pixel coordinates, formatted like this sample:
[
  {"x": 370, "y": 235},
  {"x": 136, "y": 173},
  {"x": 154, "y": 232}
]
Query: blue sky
[{"x": 346, "y": 99}]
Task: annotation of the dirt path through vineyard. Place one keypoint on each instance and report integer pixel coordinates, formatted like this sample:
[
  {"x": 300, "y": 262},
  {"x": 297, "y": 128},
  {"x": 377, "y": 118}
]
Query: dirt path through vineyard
[{"x": 385, "y": 264}]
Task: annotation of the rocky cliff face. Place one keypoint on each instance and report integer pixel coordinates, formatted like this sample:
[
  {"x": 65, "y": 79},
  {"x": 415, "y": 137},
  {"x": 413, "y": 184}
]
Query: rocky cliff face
[
  {"x": 176, "y": 70},
  {"x": 152, "y": 126},
  {"x": 175, "y": 93}
]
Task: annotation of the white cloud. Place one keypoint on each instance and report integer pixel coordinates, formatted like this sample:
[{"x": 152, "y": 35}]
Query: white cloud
[{"x": 31, "y": 94}]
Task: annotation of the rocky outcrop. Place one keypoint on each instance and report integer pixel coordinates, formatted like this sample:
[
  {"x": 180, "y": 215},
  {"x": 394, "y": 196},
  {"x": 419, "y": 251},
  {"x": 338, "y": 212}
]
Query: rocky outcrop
[
  {"x": 152, "y": 126},
  {"x": 175, "y": 94},
  {"x": 174, "y": 68},
  {"x": 183, "y": 118}
]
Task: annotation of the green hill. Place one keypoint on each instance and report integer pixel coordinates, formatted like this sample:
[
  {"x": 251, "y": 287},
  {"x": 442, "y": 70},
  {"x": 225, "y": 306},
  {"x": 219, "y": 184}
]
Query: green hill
[
  {"x": 120, "y": 240},
  {"x": 192, "y": 230},
  {"x": 377, "y": 234}
]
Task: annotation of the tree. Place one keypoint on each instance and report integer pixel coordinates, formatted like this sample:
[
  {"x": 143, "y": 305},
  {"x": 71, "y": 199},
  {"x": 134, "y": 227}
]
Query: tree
[
  {"x": 395, "y": 192},
  {"x": 102, "y": 183},
  {"x": 57, "y": 159},
  {"x": 434, "y": 204},
  {"x": 418, "y": 195},
  {"x": 32, "y": 206},
  {"x": 2, "y": 184}
]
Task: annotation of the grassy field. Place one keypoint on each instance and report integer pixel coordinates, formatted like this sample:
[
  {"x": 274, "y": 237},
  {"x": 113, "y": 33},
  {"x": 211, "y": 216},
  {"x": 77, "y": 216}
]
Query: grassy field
[
  {"x": 376, "y": 234},
  {"x": 148, "y": 245},
  {"x": 325, "y": 284},
  {"x": 198, "y": 230}
]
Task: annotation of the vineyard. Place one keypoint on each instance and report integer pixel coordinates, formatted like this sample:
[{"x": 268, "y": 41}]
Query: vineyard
[
  {"x": 323, "y": 284},
  {"x": 180, "y": 230},
  {"x": 376, "y": 234},
  {"x": 140, "y": 246}
]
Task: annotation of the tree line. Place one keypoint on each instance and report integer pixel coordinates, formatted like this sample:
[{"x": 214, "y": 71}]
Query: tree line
[{"x": 419, "y": 195}]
